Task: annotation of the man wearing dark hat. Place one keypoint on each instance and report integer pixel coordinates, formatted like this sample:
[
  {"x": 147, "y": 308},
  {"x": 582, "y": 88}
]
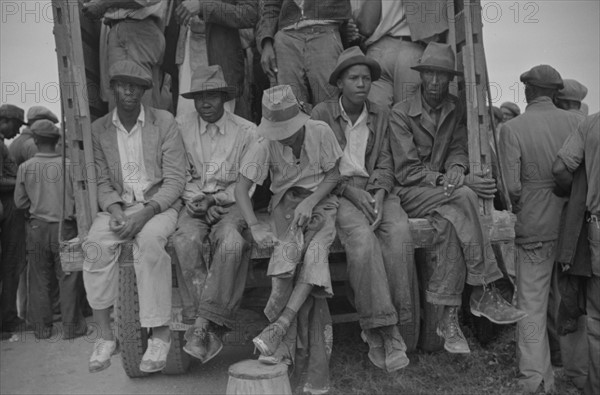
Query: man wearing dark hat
[
  {"x": 140, "y": 162},
  {"x": 528, "y": 146},
  {"x": 509, "y": 110},
  {"x": 302, "y": 156},
  {"x": 12, "y": 260},
  {"x": 428, "y": 138},
  {"x": 581, "y": 148},
  {"x": 39, "y": 190},
  {"x": 215, "y": 140},
  {"x": 371, "y": 224},
  {"x": 570, "y": 97}
]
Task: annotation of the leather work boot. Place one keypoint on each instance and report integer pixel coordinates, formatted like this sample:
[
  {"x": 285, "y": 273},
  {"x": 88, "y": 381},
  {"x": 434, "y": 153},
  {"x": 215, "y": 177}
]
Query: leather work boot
[
  {"x": 395, "y": 349},
  {"x": 376, "y": 349},
  {"x": 448, "y": 329},
  {"x": 494, "y": 307},
  {"x": 269, "y": 339}
]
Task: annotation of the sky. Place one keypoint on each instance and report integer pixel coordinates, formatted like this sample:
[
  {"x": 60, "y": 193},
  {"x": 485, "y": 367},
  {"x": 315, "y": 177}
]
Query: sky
[{"x": 517, "y": 36}]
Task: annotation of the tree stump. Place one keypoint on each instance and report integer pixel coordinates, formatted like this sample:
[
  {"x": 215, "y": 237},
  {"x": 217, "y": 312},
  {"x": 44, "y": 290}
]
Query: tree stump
[{"x": 253, "y": 377}]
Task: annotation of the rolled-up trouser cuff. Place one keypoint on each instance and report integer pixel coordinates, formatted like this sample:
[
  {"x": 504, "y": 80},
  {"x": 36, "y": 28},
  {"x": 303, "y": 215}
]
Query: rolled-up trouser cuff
[
  {"x": 101, "y": 306},
  {"x": 483, "y": 279},
  {"x": 216, "y": 314},
  {"x": 443, "y": 299},
  {"x": 378, "y": 321},
  {"x": 154, "y": 322}
]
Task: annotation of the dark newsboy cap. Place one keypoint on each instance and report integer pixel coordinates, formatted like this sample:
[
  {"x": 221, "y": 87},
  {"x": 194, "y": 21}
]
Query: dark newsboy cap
[{"x": 543, "y": 76}]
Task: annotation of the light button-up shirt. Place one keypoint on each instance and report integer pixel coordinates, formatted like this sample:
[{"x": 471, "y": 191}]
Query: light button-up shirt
[{"x": 357, "y": 135}]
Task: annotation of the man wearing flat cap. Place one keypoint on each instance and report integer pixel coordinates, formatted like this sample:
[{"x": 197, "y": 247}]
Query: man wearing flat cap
[
  {"x": 428, "y": 139},
  {"x": 140, "y": 164},
  {"x": 528, "y": 146},
  {"x": 23, "y": 147},
  {"x": 301, "y": 155},
  {"x": 12, "y": 259},
  {"x": 509, "y": 110},
  {"x": 371, "y": 224},
  {"x": 215, "y": 141},
  {"x": 39, "y": 191},
  {"x": 569, "y": 98}
]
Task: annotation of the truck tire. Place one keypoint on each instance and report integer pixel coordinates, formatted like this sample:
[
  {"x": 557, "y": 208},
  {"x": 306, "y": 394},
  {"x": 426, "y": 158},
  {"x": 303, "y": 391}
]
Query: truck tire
[
  {"x": 429, "y": 341},
  {"x": 132, "y": 338},
  {"x": 178, "y": 361}
]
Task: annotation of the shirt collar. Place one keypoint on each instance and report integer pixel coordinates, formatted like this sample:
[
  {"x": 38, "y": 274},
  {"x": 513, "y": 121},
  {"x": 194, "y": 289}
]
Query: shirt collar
[
  {"x": 220, "y": 124},
  {"x": 141, "y": 119},
  {"x": 345, "y": 116}
]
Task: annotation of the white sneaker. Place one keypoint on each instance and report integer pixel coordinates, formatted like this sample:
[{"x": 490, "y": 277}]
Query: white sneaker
[
  {"x": 155, "y": 357},
  {"x": 100, "y": 359}
]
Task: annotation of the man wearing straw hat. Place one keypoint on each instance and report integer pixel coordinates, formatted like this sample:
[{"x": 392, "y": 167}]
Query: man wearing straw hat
[
  {"x": 302, "y": 157},
  {"x": 39, "y": 190},
  {"x": 371, "y": 223},
  {"x": 140, "y": 161},
  {"x": 428, "y": 137},
  {"x": 214, "y": 140}
]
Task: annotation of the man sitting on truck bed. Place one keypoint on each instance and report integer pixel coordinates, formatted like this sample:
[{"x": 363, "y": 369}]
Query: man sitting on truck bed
[
  {"x": 140, "y": 160},
  {"x": 215, "y": 140},
  {"x": 371, "y": 223},
  {"x": 428, "y": 137}
]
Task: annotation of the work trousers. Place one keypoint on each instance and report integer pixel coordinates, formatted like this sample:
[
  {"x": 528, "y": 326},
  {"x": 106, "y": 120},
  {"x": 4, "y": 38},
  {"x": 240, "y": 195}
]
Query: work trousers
[
  {"x": 592, "y": 385},
  {"x": 151, "y": 262},
  {"x": 460, "y": 244},
  {"x": 214, "y": 263},
  {"x": 44, "y": 265},
  {"x": 305, "y": 59},
  {"x": 398, "y": 81},
  {"x": 380, "y": 263},
  {"x": 13, "y": 257}
]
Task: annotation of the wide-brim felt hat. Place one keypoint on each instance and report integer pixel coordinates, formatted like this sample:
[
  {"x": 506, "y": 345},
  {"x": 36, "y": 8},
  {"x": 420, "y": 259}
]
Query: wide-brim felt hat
[
  {"x": 543, "y": 76},
  {"x": 209, "y": 79},
  {"x": 351, "y": 57},
  {"x": 131, "y": 72},
  {"x": 45, "y": 128},
  {"x": 438, "y": 57},
  {"x": 573, "y": 90},
  {"x": 11, "y": 111},
  {"x": 36, "y": 113},
  {"x": 281, "y": 114}
]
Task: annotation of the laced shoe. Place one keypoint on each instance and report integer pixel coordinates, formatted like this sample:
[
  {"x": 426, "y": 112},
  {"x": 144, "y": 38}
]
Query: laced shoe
[
  {"x": 495, "y": 308},
  {"x": 376, "y": 348},
  {"x": 155, "y": 357},
  {"x": 270, "y": 338},
  {"x": 100, "y": 359},
  {"x": 454, "y": 340},
  {"x": 395, "y": 349}
]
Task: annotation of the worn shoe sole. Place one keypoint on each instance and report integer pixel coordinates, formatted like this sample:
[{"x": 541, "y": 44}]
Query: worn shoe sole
[
  {"x": 205, "y": 360},
  {"x": 451, "y": 350},
  {"x": 478, "y": 313},
  {"x": 105, "y": 365},
  {"x": 262, "y": 346},
  {"x": 192, "y": 353},
  {"x": 395, "y": 368},
  {"x": 158, "y": 368}
]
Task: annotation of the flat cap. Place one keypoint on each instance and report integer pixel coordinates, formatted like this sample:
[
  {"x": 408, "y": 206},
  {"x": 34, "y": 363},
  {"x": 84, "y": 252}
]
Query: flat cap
[
  {"x": 512, "y": 107},
  {"x": 45, "y": 128},
  {"x": 573, "y": 90},
  {"x": 543, "y": 76},
  {"x": 11, "y": 111},
  {"x": 129, "y": 71},
  {"x": 36, "y": 113}
]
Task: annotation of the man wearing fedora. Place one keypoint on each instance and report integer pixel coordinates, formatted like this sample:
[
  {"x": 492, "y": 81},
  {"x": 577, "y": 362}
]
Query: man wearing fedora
[
  {"x": 12, "y": 258},
  {"x": 428, "y": 137},
  {"x": 140, "y": 164},
  {"x": 302, "y": 156},
  {"x": 529, "y": 144},
  {"x": 214, "y": 140},
  {"x": 371, "y": 224}
]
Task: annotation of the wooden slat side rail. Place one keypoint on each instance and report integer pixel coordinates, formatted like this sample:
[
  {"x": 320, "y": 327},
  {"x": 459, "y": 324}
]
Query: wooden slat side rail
[{"x": 73, "y": 87}]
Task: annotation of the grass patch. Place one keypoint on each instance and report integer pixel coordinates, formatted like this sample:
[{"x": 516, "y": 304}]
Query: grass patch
[{"x": 489, "y": 370}]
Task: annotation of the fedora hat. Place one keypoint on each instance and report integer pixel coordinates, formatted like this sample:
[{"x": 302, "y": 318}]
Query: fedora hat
[
  {"x": 129, "y": 71},
  {"x": 209, "y": 79},
  {"x": 281, "y": 115},
  {"x": 438, "y": 57},
  {"x": 351, "y": 57}
]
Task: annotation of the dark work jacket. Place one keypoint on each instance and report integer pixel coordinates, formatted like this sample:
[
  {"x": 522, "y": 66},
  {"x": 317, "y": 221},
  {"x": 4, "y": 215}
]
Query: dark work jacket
[
  {"x": 278, "y": 14},
  {"x": 378, "y": 156}
]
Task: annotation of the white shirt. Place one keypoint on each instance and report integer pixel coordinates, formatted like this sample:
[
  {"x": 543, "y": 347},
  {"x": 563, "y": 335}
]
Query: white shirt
[
  {"x": 131, "y": 154},
  {"x": 393, "y": 18},
  {"x": 357, "y": 134}
]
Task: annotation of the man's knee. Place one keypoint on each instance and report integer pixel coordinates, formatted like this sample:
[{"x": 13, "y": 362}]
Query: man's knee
[
  {"x": 229, "y": 237},
  {"x": 466, "y": 193},
  {"x": 183, "y": 239}
]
